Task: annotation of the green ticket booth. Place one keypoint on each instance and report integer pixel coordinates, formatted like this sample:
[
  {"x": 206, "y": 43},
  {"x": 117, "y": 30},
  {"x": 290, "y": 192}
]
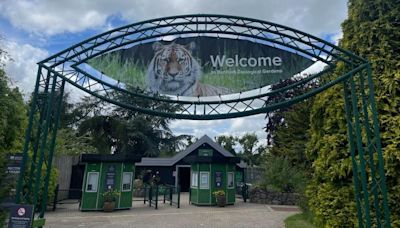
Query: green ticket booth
[
  {"x": 104, "y": 173},
  {"x": 210, "y": 174}
]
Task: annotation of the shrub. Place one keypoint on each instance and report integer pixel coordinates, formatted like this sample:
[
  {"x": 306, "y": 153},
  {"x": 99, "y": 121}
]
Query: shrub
[{"x": 281, "y": 176}]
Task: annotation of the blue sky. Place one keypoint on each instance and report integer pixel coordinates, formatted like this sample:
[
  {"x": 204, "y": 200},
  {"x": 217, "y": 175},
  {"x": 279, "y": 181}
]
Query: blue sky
[{"x": 34, "y": 29}]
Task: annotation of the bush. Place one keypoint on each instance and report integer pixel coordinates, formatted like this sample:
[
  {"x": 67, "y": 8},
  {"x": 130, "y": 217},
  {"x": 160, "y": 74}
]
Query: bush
[
  {"x": 51, "y": 187},
  {"x": 281, "y": 176}
]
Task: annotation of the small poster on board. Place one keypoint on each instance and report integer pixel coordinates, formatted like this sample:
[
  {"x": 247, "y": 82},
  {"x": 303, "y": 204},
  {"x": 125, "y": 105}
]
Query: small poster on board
[
  {"x": 110, "y": 177},
  {"x": 218, "y": 179},
  {"x": 21, "y": 216}
]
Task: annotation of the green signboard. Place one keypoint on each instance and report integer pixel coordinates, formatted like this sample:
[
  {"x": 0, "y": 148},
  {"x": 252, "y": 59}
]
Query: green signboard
[
  {"x": 200, "y": 66},
  {"x": 239, "y": 178},
  {"x": 206, "y": 152}
]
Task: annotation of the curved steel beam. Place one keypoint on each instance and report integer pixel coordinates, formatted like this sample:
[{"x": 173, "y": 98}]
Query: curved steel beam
[{"x": 65, "y": 64}]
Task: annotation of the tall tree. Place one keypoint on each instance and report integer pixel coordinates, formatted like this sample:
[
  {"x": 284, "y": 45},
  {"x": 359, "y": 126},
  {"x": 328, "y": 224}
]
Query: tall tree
[
  {"x": 127, "y": 131},
  {"x": 228, "y": 142},
  {"x": 275, "y": 119},
  {"x": 12, "y": 125},
  {"x": 248, "y": 143},
  {"x": 69, "y": 141},
  {"x": 372, "y": 31},
  {"x": 291, "y": 137}
]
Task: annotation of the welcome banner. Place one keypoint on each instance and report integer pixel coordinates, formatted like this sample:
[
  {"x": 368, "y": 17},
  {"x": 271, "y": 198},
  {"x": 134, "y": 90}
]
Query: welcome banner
[{"x": 200, "y": 66}]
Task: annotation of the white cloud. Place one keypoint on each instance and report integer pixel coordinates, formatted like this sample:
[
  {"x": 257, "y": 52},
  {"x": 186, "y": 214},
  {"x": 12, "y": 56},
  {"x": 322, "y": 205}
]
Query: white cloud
[
  {"x": 212, "y": 128},
  {"x": 23, "y": 68},
  {"x": 43, "y": 18},
  {"x": 53, "y": 17},
  {"x": 336, "y": 38}
]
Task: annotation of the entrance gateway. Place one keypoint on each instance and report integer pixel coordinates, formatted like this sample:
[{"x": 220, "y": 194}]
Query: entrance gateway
[{"x": 171, "y": 60}]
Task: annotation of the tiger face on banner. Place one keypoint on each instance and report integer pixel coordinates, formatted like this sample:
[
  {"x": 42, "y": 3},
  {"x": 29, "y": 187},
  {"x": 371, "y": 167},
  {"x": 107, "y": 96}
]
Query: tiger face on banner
[{"x": 174, "y": 71}]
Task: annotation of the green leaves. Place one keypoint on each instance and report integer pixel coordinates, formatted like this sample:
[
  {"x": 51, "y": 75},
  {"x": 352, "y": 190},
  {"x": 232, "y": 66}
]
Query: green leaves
[
  {"x": 12, "y": 127},
  {"x": 12, "y": 117},
  {"x": 282, "y": 176},
  {"x": 372, "y": 32},
  {"x": 228, "y": 142}
]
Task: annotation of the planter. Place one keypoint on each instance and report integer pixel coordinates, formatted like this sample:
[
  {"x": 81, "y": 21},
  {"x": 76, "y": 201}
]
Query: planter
[
  {"x": 109, "y": 206},
  {"x": 221, "y": 201}
]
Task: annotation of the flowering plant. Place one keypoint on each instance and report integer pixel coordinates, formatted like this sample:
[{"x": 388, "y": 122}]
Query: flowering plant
[
  {"x": 219, "y": 193},
  {"x": 111, "y": 195}
]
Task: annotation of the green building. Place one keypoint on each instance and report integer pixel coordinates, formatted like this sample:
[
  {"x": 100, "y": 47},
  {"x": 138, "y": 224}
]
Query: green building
[
  {"x": 176, "y": 170},
  {"x": 201, "y": 169},
  {"x": 210, "y": 175},
  {"x": 104, "y": 173},
  {"x": 212, "y": 169}
]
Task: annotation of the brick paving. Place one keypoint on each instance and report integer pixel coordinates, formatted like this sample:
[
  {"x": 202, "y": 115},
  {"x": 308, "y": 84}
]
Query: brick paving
[{"x": 239, "y": 215}]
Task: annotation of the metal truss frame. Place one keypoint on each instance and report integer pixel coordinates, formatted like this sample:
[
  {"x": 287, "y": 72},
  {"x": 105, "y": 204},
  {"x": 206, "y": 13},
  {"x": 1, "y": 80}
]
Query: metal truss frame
[{"x": 64, "y": 67}]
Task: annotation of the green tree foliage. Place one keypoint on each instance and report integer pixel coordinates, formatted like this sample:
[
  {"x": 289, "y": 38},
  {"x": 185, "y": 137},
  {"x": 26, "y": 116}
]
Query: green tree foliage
[
  {"x": 372, "y": 31},
  {"x": 282, "y": 176},
  {"x": 287, "y": 167},
  {"x": 12, "y": 117},
  {"x": 275, "y": 119},
  {"x": 127, "y": 131},
  {"x": 290, "y": 138},
  {"x": 69, "y": 141},
  {"x": 228, "y": 142},
  {"x": 12, "y": 124},
  {"x": 249, "y": 152}
]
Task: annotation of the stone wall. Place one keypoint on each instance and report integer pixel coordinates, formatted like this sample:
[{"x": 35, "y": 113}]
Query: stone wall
[{"x": 262, "y": 196}]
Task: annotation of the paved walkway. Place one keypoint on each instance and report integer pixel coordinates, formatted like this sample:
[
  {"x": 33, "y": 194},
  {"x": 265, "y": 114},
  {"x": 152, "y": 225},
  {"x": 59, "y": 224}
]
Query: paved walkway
[{"x": 239, "y": 215}]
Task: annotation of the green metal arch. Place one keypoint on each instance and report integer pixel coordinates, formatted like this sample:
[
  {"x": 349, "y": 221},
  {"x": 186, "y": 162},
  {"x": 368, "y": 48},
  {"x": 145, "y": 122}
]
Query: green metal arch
[
  {"x": 65, "y": 64},
  {"x": 361, "y": 112}
]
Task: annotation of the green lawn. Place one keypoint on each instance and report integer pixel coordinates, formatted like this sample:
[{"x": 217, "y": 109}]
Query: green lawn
[{"x": 298, "y": 221}]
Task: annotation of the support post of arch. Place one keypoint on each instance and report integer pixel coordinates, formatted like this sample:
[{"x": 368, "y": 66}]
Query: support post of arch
[
  {"x": 366, "y": 150},
  {"x": 40, "y": 138}
]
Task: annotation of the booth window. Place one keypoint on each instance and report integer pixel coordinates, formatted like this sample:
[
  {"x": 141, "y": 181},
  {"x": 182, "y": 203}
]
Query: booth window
[
  {"x": 195, "y": 180},
  {"x": 127, "y": 181},
  {"x": 204, "y": 180},
  {"x": 92, "y": 181},
  {"x": 230, "y": 180}
]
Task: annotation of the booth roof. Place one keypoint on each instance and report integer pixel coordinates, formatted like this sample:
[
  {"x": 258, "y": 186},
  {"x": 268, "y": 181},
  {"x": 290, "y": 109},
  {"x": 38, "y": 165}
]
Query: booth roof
[
  {"x": 109, "y": 158},
  {"x": 179, "y": 156},
  {"x": 196, "y": 159}
]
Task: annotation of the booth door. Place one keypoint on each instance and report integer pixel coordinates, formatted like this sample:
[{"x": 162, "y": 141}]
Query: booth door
[
  {"x": 75, "y": 186},
  {"x": 184, "y": 178}
]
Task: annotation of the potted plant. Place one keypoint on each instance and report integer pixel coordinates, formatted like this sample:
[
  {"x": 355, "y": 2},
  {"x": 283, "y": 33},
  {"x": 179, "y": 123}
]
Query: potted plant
[
  {"x": 220, "y": 198},
  {"x": 110, "y": 197}
]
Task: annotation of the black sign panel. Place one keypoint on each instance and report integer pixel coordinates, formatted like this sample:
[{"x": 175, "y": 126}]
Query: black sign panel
[
  {"x": 110, "y": 177},
  {"x": 12, "y": 173},
  {"x": 218, "y": 179},
  {"x": 21, "y": 216},
  {"x": 14, "y": 164}
]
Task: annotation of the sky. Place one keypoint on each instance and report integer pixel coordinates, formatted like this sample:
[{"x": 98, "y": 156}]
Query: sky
[{"x": 32, "y": 30}]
